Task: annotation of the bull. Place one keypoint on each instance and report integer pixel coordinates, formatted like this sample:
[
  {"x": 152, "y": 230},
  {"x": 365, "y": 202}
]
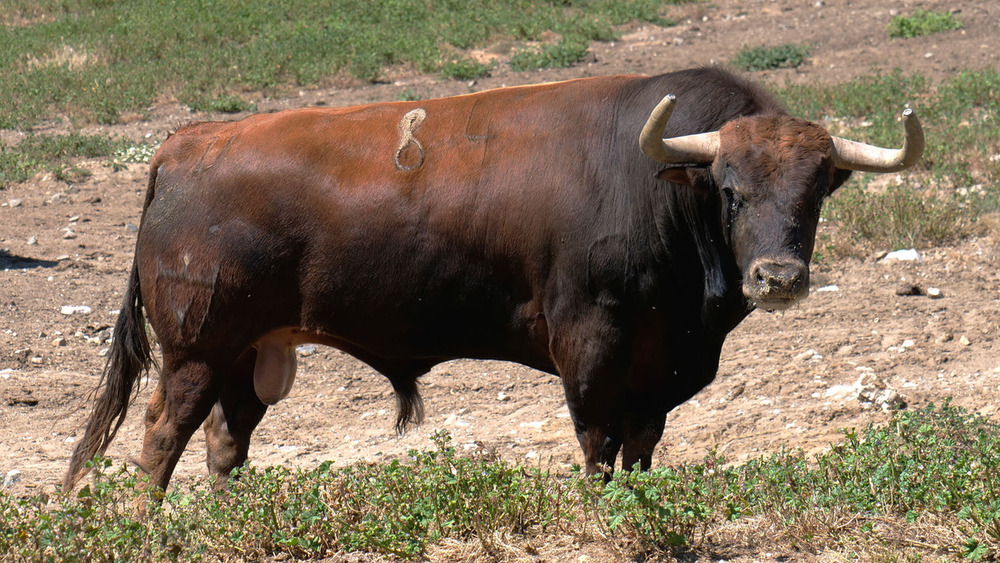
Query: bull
[{"x": 582, "y": 228}]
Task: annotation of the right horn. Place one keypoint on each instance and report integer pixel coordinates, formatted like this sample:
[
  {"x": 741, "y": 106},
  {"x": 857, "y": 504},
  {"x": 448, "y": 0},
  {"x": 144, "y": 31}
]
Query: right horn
[
  {"x": 699, "y": 148},
  {"x": 851, "y": 155}
]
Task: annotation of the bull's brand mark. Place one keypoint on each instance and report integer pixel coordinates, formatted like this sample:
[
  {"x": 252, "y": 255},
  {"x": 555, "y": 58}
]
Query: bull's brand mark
[{"x": 407, "y": 158}]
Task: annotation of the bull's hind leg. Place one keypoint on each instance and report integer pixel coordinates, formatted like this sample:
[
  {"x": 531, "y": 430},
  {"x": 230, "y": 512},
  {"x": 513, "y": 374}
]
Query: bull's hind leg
[
  {"x": 233, "y": 419},
  {"x": 180, "y": 403}
]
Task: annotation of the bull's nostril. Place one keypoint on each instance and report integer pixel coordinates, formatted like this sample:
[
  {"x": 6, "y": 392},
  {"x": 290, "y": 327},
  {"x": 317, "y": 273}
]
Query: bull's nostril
[{"x": 770, "y": 277}]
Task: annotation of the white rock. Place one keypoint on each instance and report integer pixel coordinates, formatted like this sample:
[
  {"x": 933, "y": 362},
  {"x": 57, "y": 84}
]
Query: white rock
[
  {"x": 14, "y": 203},
  {"x": 502, "y": 397},
  {"x": 827, "y": 288},
  {"x": 13, "y": 476},
  {"x": 908, "y": 255},
  {"x": 32, "y": 240},
  {"x": 840, "y": 391},
  {"x": 306, "y": 350},
  {"x": 73, "y": 309},
  {"x": 934, "y": 293},
  {"x": 808, "y": 355}
]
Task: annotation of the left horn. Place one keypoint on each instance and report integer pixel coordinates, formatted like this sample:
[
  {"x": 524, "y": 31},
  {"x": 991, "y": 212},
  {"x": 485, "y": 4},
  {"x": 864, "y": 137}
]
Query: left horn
[
  {"x": 851, "y": 155},
  {"x": 690, "y": 149}
]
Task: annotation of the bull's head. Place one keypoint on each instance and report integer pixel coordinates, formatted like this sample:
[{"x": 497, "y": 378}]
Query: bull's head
[{"x": 772, "y": 173}]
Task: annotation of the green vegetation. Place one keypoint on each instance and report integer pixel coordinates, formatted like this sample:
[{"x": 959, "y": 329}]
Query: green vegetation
[
  {"x": 54, "y": 154},
  {"x": 465, "y": 69},
  {"x": 765, "y": 58},
  {"x": 923, "y": 22},
  {"x": 225, "y": 103},
  {"x": 905, "y": 216},
  {"x": 97, "y": 60},
  {"x": 928, "y": 474},
  {"x": 561, "y": 54}
]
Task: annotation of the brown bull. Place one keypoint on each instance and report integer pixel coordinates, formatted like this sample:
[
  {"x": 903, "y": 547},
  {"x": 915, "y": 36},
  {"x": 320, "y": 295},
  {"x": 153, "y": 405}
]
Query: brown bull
[{"x": 523, "y": 224}]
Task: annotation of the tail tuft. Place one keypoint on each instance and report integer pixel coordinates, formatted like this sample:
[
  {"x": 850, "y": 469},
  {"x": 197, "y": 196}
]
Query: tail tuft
[{"x": 409, "y": 403}]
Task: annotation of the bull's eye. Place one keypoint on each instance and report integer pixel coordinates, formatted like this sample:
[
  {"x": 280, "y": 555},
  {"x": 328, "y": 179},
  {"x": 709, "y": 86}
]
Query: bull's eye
[{"x": 734, "y": 201}]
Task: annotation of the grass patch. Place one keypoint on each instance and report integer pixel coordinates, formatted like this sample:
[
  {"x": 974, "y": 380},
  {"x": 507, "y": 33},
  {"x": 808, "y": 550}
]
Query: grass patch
[
  {"x": 225, "y": 103},
  {"x": 96, "y": 60},
  {"x": 556, "y": 55},
  {"x": 928, "y": 475},
  {"x": 905, "y": 216},
  {"x": 923, "y": 22},
  {"x": 54, "y": 154},
  {"x": 766, "y": 58},
  {"x": 465, "y": 69}
]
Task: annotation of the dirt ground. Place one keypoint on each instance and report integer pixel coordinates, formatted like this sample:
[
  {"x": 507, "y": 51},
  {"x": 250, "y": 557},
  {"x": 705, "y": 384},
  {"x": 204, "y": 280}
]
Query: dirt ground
[{"x": 786, "y": 379}]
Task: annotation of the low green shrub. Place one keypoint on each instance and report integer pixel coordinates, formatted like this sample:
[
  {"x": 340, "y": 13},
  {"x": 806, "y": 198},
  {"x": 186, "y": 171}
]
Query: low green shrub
[
  {"x": 934, "y": 466},
  {"x": 52, "y": 153},
  {"x": 551, "y": 55},
  {"x": 465, "y": 69},
  {"x": 923, "y": 22},
  {"x": 766, "y": 58}
]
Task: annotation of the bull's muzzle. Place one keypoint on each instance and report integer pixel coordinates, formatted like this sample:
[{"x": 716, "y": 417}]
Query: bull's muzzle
[{"x": 776, "y": 283}]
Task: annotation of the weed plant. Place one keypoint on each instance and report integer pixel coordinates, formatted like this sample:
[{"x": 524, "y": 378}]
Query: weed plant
[
  {"x": 930, "y": 472},
  {"x": 53, "y": 154},
  {"x": 766, "y": 58},
  {"x": 923, "y": 22},
  {"x": 465, "y": 69},
  {"x": 907, "y": 216}
]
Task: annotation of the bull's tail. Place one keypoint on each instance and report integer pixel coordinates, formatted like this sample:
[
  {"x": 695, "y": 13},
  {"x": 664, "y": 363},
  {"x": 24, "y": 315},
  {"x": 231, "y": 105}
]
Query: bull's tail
[
  {"x": 409, "y": 404},
  {"x": 129, "y": 357}
]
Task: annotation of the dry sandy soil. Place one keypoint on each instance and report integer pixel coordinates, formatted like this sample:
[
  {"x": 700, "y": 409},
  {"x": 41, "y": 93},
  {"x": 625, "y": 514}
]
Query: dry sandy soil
[{"x": 791, "y": 378}]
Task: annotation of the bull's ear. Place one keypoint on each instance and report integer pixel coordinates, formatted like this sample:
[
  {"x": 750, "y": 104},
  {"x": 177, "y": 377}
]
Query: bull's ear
[
  {"x": 839, "y": 177},
  {"x": 694, "y": 176}
]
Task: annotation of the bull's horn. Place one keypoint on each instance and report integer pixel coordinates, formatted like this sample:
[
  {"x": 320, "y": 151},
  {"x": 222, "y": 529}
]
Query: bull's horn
[
  {"x": 690, "y": 149},
  {"x": 851, "y": 155}
]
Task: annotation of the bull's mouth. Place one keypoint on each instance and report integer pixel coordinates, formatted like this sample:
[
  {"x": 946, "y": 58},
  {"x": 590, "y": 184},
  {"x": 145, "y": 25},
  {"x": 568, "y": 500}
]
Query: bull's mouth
[{"x": 775, "y": 304}]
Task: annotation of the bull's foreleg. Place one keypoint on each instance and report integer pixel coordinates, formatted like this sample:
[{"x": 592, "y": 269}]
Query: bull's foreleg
[
  {"x": 589, "y": 361},
  {"x": 180, "y": 403},
  {"x": 232, "y": 420},
  {"x": 644, "y": 424}
]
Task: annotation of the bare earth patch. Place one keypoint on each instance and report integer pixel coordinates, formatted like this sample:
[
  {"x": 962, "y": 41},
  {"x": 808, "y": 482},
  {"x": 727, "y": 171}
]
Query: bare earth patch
[{"x": 786, "y": 379}]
